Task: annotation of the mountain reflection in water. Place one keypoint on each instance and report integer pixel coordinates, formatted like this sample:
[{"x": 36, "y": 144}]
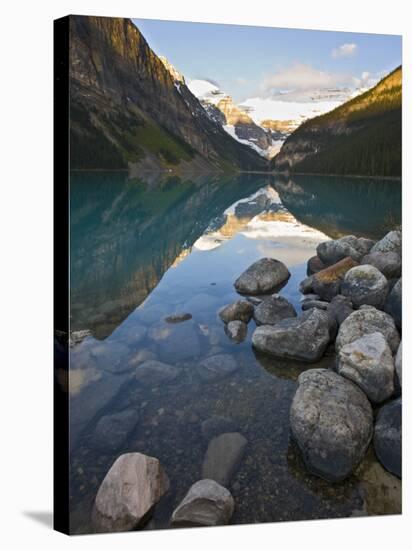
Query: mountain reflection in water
[{"x": 125, "y": 234}]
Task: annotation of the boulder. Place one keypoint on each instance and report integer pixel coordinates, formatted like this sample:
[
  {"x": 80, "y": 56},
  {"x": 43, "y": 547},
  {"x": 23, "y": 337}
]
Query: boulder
[
  {"x": 262, "y": 277},
  {"x": 327, "y": 283},
  {"x": 367, "y": 320},
  {"x": 176, "y": 341},
  {"x": 393, "y": 304},
  {"x": 206, "y": 504},
  {"x": 365, "y": 285},
  {"x": 331, "y": 252},
  {"x": 391, "y": 242},
  {"x": 318, "y": 304},
  {"x": 241, "y": 310},
  {"x": 217, "y": 367},
  {"x": 309, "y": 296},
  {"x": 223, "y": 457},
  {"x": 368, "y": 362},
  {"x": 303, "y": 338},
  {"x": 152, "y": 373},
  {"x": 387, "y": 439},
  {"x": 388, "y": 263},
  {"x": 315, "y": 264},
  {"x": 236, "y": 330},
  {"x": 340, "y": 307},
  {"x": 398, "y": 364},
  {"x": 129, "y": 492},
  {"x": 273, "y": 309},
  {"x": 216, "y": 425},
  {"x": 112, "y": 430},
  {"x": 331, "y": 421}
]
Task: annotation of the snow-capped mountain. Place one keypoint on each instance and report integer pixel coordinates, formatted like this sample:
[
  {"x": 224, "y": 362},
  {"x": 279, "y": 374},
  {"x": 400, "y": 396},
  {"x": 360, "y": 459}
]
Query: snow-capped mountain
[
  {"x": 235, "y": 120},
  {"x": 278, "y": 115}
]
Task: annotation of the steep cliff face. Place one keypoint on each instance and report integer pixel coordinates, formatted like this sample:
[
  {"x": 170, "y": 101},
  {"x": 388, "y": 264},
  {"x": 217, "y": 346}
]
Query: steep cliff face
[
  {"x": 127, "y": 108},
  {"x": 362, "y": 136}
]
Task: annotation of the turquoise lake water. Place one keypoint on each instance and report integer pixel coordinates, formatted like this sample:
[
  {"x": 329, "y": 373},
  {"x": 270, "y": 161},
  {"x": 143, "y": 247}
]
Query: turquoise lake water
[{"x": 144, "y": 249}]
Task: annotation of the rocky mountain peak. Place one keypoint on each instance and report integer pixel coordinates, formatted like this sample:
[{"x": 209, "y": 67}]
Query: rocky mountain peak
[{"x": 174, "y": 73}]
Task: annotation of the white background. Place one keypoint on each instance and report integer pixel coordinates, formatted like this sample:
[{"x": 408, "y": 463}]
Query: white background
[{"x": 26, "y": 269}]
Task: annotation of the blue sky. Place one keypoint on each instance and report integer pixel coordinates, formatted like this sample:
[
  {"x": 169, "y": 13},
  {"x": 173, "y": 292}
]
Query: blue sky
[{"x": 260, "y": 61}]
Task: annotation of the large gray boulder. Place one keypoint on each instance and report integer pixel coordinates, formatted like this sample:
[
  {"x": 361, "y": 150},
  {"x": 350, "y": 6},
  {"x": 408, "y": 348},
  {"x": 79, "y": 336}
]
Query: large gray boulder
[
  {"x": 387, "y": 439},
  {"x": 303, "y": 338},
  {"x": 236, "y": 330},
  {"x": 369, "y": 363},
  {"x": 273, "y": 309},
  {"x": 262, "y": 277},
  {"x": 223, "y": 457},
  {"x": 398, "y": 364},
  {"x": 217, "y": 367},
  {"x": 391, "y": 242},
  {"x": 365, "y": 285},
  {"x": 367, "y": 320},
  {"x": 112, "y": 430},
  {"x": 241, "y": 310},
  {"x": 331, "y": 252},
  {"x": 152, "y": 373},
  {"x": 206, "y": 504},
  {"x": 388, "y": 263},
  {"x": 331, "y": 421},
  {"x": 128, "y": 493},
  {"x": 393, "y": 304}
]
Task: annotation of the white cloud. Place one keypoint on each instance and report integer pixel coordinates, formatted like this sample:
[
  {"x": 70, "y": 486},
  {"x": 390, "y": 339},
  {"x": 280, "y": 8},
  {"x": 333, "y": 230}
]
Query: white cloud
[
  {"x": 345, "y": 50},
  {"x": 302, "y": 77}
]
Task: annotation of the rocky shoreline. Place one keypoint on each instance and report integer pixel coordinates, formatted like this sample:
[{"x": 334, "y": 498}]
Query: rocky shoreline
[{"x": 352, "y": 302}]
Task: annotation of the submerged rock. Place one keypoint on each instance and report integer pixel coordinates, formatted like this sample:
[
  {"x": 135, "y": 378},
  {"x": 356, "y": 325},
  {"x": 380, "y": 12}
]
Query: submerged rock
[
  {"x": 216, "y": 425},
  {"x": 303, "y": 338},
  {"x": 178, "y": 317},
  {"x": 241, "y": 310},
  {"x": 223, "y": 457},
  {"x": 391, "y": 242},
  {"x": 368, "y": 362},
  {"x": 153, "y": 373},
  {"x": 365, "y": 285},
  {"x": 217, "y": 367},
  {"x": 387, "y": 439},
  {"x": 129, "y": 492},
  {"x": 262, "y": 277},
  {"x": 112, "y": 430},
  {"x": 393, "y": 304},
  {"x": 327, "y": 283},
  {"x": 331, "y": 421},
  {"x": 388, "y": 263},
  {"x": 207, "y": 503},
  {"x": 367, "y": 320},
  {"x": 273, "y": 309},
  {"x": 177, "y": 341},
  {"x": 236, "y": 330}
]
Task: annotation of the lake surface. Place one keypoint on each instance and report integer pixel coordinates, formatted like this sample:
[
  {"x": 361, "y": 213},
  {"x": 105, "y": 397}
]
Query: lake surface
[{"x": 144, "y": 249}]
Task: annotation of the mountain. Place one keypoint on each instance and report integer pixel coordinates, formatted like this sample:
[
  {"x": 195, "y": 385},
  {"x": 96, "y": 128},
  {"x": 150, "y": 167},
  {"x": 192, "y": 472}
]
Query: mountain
[
  {"x": 128, "y": 109},
  {"x": 235, "y": 120},
  {"x": 361, "y": 136}
]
